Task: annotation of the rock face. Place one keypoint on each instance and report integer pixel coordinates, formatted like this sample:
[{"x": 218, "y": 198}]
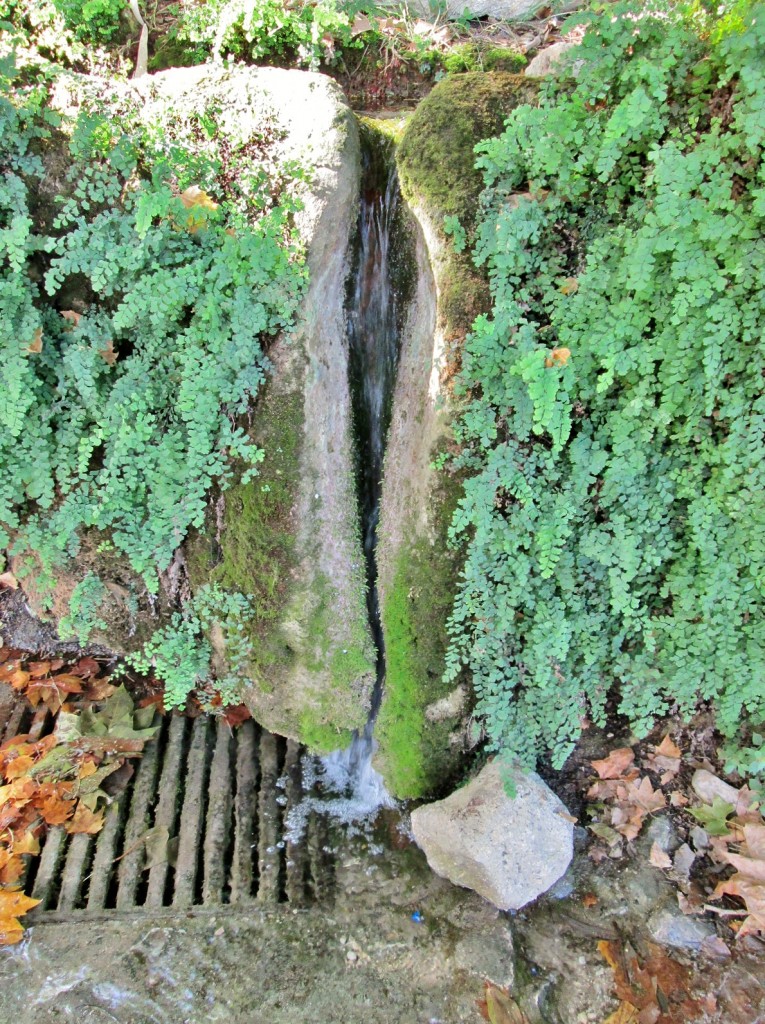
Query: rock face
[
  {"x": 546, "y": 60},
  {"x": 419, "y": 750},
  {"x": 313, "y": 672},
  {"x": 509, "y": 850},
  {"x": 501, "y": 10},
  {"x": 290, "y": 536}
]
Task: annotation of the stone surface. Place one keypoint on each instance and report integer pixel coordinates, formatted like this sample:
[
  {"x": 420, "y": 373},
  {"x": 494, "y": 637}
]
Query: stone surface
[
  {"x": 546, "y": 60},
  {"x": 500, "y": 10},
  {"x": 708, "y": 787},
  {"x": 314, "y": 667},
  {"x": 509, "y": 850},
  {"x": 669, "y": 927}
]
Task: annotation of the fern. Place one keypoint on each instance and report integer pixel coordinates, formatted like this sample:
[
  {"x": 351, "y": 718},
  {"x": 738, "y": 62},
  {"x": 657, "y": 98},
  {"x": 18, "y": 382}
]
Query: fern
[{"x": 614, "y": 418}]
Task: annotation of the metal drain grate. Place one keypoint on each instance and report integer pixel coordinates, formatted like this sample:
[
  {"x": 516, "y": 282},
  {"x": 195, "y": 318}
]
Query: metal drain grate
[{"x": 222, "y": 795}]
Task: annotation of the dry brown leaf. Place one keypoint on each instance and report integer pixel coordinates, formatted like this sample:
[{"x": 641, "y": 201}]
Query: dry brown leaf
[
  {"x": 615, "y": 765},
  {"x": 558, "y": 357},
  {"x": 85, "y": 820},
  {"x": 108, "y": 354},
  {"x": 36, "y": 345},
  {"x": 13, "y": 905},
  {"x": 8, "y": 581},
  {"x": 502, "y": 1008},
  {"x": 72, "y": 316},
  {"x": 195, "y": 196}
]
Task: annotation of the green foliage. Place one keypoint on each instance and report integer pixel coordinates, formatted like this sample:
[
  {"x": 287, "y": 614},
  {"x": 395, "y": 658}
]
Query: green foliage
[
  {"x": 614, "y": 418},
  {"x": 96, "y": 20},
  {"x": 436, "y": 168},
  {"x": 87, "y": 597},
  {"x": 472, "y": 56},
  {"x": 256, "y": 30},
  {"x": 177, "y": 246},
  {"x": 181, "y": 654}
]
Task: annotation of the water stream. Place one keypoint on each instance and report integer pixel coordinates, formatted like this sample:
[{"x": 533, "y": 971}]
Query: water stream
[{"x": 353, "y": 790}]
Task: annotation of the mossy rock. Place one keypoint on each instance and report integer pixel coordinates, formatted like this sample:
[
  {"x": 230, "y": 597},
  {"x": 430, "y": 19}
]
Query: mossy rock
[
  {"x": 417, "y": 754},
  {"x": 436, "y": 162},
  {"x": 436, "y": 159}
]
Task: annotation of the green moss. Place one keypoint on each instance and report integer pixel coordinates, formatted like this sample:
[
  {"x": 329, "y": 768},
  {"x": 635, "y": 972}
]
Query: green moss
[
  {"x": 252, "y": 548},
  {"x": 320, "y": 737},
  {"x": 415, "y": 753},
  {"x": 436, "y": 169},
  {"x": 436, "y": 159},
  {"x": 173, "y": 52},
  {"x": 475, "y": 56}
]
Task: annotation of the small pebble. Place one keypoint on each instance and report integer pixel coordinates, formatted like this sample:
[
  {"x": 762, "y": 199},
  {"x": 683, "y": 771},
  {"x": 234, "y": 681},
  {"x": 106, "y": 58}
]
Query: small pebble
[{"x": 351, "y": 956}]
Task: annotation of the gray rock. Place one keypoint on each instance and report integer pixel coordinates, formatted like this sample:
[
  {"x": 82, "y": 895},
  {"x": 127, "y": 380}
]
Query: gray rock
[
  {"x": 661, "y": 832},
  {"x": 671, "y": 928},
  {"x": 500, "y": 10},
  {"x": 707, "y": 786},
  {"x": 546, "y": 60},
  {"x": 509, "y": 851}
]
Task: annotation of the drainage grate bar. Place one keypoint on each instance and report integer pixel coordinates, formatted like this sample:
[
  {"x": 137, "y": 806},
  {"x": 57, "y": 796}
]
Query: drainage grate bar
[
  {"x": 13, "y": 727},
  {"x": 268, "y": 812},
  {"x": 106, "y": 854},
  {"x": 47, "y": 871},
  {"x": 192, "y": 817},
  {"x": 218, "y": 828},
  {"x": 129, "y": 871},
  {"x": 220, "y": 797},
  {"x": 245, "y": 814},
  {"x": 167, "y": 808},
  {"x": 77, "y": 857}
]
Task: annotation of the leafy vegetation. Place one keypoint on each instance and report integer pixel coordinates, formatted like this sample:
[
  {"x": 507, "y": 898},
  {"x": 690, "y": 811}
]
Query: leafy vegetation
[
  {"x": 304, "y": 32},
  {"x": 122, "y": 412},
  {"x": 181, "y": 653},
  {"x": 614, "y": 417}
]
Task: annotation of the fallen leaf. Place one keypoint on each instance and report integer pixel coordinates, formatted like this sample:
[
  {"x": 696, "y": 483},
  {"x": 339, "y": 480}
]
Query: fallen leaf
[
  {"x": 36, "y": 345},
  {"x": 361, "y": 23},
  {"x": 85, "y": 820},
  {"x": 615, "y": 765},
  {"x": 626, "y": 1014},
  {"x": 194, "y": 196},
  {"x": 502, "y": 1008},
  {"x": 72, "y": 316},
  {"x": 13, "y": 905},
  {"x": 667, "y": 748},
  {"x": 108, "y": 354},
  {"x": 8, "y": 581},
  {"x": 589, "y": 899},
  {"x": 569, "y": 285},
  {"x": 558, "y": 357}
]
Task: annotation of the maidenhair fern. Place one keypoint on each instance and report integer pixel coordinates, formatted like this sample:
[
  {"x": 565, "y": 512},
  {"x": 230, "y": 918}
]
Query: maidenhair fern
[
  {"x": 120, "y": 413},
  {"x": 615, "y": 401}
]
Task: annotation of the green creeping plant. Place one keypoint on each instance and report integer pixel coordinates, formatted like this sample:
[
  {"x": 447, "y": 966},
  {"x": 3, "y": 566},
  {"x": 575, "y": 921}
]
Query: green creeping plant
[{"x": 613, "y": 415}]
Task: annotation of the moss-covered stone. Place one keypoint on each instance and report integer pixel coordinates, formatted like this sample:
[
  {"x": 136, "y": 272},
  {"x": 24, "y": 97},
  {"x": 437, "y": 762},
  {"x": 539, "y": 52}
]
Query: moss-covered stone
[
  {"x": 436, "y": 162},
  {"x": 479, "y": 56},
  {"x": 415, "y": 754}
]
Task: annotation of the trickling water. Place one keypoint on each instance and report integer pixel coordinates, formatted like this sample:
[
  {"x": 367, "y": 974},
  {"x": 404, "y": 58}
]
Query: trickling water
[{"x": 373, "y": 345}]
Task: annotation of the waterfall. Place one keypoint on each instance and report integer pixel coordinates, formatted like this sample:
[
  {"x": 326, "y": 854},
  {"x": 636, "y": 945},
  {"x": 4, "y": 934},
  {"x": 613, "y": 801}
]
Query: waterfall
[{"x": 352, "y": 790}]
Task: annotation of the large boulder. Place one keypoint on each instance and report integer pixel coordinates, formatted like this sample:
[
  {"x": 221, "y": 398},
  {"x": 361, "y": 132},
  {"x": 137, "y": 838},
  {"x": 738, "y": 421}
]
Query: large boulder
[
  {"x": 510, "y": 850},
  {"x": 296, "y": 524},
  {"x": 500, "y": 10},
  {"x": 289, "y": 537}
]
